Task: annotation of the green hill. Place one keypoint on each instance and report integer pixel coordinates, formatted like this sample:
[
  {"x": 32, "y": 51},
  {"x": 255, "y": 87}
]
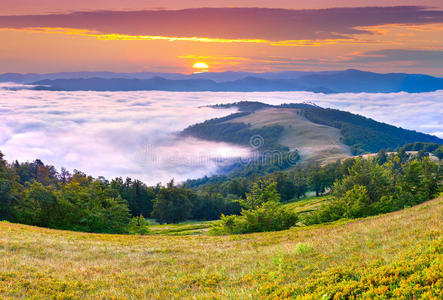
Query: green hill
[
  {"x": 397, "y": 255},
  {"x": 317, "y": 133}
]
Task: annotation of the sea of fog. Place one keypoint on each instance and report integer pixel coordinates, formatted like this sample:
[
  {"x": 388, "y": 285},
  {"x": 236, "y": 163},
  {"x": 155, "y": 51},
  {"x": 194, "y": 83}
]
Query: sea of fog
[{"x": 134, "y": 133}]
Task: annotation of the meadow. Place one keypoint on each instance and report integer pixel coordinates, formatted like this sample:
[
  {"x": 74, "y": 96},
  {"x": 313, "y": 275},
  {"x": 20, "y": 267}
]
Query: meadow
[
  {"x": 313, "y": 141},
  {"x": 393, "y": 255}
]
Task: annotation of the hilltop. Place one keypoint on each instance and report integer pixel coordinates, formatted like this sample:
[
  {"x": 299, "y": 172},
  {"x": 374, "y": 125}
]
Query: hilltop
[
  {"x": 318, "y": 134},
  {"x": 392, "y": 255}
]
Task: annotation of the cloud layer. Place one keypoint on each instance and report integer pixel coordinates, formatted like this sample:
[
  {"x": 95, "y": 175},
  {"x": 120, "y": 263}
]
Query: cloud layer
[
  {"x": 233, "y": 23},
  {"x": 133, "y": 133}
]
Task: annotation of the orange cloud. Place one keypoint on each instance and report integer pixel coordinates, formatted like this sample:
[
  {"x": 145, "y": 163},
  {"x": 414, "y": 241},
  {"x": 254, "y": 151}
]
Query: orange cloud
[{"x": 125, "y": 37}]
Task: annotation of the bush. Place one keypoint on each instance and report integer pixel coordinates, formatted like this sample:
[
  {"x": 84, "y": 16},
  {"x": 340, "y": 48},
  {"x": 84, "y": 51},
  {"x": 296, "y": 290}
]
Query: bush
[
  {"x": 138, "y": 225},
  {"x": 302, "y": 248},
  {"x": 263, "y": 212},
  {"x": 270, "y": 216}
]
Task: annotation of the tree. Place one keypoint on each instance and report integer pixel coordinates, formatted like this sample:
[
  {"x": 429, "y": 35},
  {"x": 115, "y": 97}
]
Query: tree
[
  {"x": 317, "y": 180},
  {"x": 173, "y": 204},
  {"x": 439, "y": 152},
  {"x": 238, "y": 187},
  {"x": 262, "y": 191},
  {"x": 138, "y": 196},
  {"x": 138, "y": 225},
  {"x": 39, "y": 206},
  {"x": 8, "y": 190},
  {"x": 300, "y": 185},
  {"x": 285, "y": 186},
  {"x": 64, "y": 177},
  {"x": 91, "y": 206},
  {"x": 264, "y": 212},
  {"x": 367, "y": 173},
  {"x": 370, "y": 188},
  {"x": 356, "y": 202},
  {"x": 382, "y": 157}
]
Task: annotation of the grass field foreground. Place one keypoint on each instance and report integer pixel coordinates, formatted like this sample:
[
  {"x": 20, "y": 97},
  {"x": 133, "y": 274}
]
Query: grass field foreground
[{"x": 393, "y": 255}]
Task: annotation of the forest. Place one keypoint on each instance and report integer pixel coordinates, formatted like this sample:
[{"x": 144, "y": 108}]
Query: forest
[{"x": 248, "y": 199}]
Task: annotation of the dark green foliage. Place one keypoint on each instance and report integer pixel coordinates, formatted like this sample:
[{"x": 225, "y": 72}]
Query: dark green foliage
[
  {"x": 364, "y": 172},
  {"x": 36, "y": 171},
  {"x": 36, "y": 194},
  {"x": 428, "y": 147},
  {"x": 138, "y": 225},
  {"x": 237, "y": 133},
  {"x": 84, "y": 205},
  {"x": 40, "y": 206},
  {"x": 300, "y": 185},
  {"x": 210, "y": 205},
  {"x": 269, "y": 216},
  {"x": 242, "y": 175},
  {"x": 285, "y": 185},
  {"x": 244, "y": 106},
  {"x": 173, "y": 204},
  {"x": 9, "y": 189},
  {"x": 262, "y": 212},
  {"x": 424, "y": 149},
  {"x": 371, "y": 188},
  {"x": 138, "y": 196},
  {"x": 366, "y": 135},
  {"x": 268, "y": 162},
  {"x": 439, "y": 152},
  {"x": 322, "y": 178},
  {"x": 261, "y": 192}
]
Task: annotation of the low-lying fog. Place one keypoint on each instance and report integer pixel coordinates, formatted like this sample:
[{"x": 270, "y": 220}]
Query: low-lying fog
[{"x": 133, "y": 133}]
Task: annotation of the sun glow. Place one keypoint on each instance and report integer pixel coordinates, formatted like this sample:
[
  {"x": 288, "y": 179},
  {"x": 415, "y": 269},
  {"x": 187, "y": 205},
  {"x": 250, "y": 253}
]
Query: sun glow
[{"x": 201, "y": 67}]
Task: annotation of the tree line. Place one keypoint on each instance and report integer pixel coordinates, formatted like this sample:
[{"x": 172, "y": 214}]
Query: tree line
[{"x": 37, "y": 194}]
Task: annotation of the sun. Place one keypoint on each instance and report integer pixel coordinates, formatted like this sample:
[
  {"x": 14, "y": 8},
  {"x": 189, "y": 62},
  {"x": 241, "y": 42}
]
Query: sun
[{"x": 201, "y": 67}]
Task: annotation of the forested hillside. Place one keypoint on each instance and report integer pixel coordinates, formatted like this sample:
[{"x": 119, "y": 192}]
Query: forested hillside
[{"x": 361, "y": 134}]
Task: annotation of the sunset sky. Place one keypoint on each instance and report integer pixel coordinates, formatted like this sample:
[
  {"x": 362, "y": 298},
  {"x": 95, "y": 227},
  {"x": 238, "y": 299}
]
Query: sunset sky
[{"x": 173, "y": 35}]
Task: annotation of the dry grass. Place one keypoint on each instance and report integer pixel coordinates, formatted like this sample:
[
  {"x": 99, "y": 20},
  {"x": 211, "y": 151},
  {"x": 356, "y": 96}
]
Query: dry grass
[
  {"x": 314, "y": 142},
  {"x": 44, "y": 263}
]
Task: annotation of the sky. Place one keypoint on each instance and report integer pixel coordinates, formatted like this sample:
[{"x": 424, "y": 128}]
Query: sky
[
  {"x": 258, "y": 36},
  {"x": 133, "y": 134}
]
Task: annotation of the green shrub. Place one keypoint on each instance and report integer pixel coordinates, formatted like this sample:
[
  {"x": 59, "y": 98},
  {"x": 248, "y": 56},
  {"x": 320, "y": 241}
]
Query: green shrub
[
  {"x": 138, "y": 225},
  {"x": 302, "y": 248},
  {"x": 270, "y": 216},
  {"x": 263, "y": 212}
]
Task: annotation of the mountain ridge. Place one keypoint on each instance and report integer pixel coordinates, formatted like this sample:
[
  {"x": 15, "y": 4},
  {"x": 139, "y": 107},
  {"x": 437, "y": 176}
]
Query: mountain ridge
[{"x": 350, "y": 80}]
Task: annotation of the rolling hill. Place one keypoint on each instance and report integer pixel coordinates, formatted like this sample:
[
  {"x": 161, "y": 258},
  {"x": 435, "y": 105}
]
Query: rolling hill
[
  {"x": 318, "y": 134},
  {"x": 397, "y": 255}
]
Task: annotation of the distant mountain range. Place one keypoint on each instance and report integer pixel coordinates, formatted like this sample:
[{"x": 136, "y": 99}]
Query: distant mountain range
[
  {"x": 323, "y": 82},
  {"x": 215, "y": 76}
]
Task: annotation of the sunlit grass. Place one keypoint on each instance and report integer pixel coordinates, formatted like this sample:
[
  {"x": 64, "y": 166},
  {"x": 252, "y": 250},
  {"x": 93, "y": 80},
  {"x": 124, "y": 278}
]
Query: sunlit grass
[
  {"x": 185, "y": 228},
  {"x": 388, "y": 254},
  {"x": 307, "y": 204}
]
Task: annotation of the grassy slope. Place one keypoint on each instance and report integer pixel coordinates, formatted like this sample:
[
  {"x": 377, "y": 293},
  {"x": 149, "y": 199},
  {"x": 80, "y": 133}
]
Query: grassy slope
[
  {"x": 306, "y": 205},
  {"x": 313, "y": 141},
  {"x": 185, "y": 228},
  {"x": 36, "y": 262}
]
